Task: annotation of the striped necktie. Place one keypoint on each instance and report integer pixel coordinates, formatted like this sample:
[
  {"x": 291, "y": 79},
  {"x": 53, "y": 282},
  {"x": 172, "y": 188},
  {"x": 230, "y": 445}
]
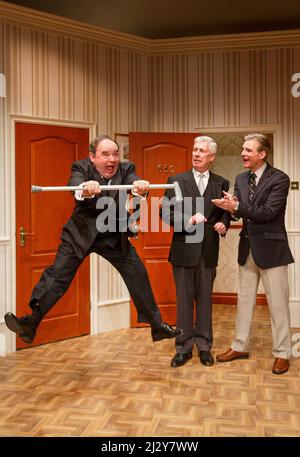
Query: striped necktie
[
  {"x": 201, "y": 184},
  {"x": 251, "y": 186}
]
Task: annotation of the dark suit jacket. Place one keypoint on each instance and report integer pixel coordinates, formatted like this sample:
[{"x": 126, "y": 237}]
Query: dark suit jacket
[
  {"x": 263, "y": 219},
  {"x": 81, "y": 230},
  {"x": 188, "y": 254}
]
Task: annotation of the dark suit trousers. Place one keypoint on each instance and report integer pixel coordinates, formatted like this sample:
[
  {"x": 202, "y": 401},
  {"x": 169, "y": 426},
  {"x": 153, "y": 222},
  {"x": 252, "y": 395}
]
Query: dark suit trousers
[
  {"x": 56, "y": 279},
  {"x": 194, "y": 288}
]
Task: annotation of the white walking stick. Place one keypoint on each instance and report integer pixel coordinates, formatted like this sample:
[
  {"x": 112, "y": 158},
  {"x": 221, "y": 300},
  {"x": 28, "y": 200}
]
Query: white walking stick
[{"x": 175, "y": 186}]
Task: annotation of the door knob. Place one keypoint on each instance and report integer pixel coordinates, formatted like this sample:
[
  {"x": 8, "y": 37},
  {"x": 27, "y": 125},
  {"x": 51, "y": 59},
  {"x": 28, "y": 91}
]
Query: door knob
[{"x": 23, "y": 234}]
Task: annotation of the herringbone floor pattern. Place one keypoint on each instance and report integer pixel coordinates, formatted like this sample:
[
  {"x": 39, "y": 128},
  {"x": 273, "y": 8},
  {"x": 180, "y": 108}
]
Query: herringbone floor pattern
[{"x": 121, "y": 384}]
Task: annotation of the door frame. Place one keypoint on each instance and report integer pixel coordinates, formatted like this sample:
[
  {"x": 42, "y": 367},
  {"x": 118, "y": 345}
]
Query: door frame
[{"x": 13, "y": 230}]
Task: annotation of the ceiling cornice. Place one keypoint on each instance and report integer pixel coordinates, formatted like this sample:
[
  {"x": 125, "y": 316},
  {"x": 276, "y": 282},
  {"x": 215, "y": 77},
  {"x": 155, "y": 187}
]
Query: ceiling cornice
[
  {"x": 257, "y": 40},
  {"x": 27, "y": 17}
]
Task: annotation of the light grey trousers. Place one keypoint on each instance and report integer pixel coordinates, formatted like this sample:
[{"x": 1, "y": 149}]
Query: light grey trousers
[{"x": 275, "y": 281}]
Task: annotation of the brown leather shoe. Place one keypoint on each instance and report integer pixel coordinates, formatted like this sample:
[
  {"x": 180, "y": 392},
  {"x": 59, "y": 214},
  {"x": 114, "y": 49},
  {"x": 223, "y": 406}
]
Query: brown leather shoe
[
  {"x": 280, "y": 366},
  {"x": 230, "y": 355}
]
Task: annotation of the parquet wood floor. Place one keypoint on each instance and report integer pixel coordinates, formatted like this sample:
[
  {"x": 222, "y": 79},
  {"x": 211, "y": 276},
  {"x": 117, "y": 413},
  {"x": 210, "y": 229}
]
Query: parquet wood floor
[{"x": 121, "y": 384}]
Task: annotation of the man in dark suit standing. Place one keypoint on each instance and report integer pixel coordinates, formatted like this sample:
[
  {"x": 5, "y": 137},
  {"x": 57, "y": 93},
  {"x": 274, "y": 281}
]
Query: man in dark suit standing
[
  {"x": 193, "y": 257},
  {"x": 260, "y": 198},
  {"x": 86, "y": 232}
]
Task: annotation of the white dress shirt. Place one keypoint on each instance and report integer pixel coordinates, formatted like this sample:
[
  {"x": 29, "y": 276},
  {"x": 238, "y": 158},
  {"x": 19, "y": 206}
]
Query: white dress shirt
[
  {"x": 259, "y": 172},
  {"x": 197, "y": 177}
]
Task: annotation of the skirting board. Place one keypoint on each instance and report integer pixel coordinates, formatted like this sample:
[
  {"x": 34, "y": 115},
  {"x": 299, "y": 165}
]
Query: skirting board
[{"x": 225, "y": 298}]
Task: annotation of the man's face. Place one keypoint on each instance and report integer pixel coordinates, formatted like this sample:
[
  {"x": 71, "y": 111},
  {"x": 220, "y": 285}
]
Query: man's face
[
  {"x": 251, "y": 158},
  {"x": 107, "y": 158},
  {"x": 202, "y": 158}
]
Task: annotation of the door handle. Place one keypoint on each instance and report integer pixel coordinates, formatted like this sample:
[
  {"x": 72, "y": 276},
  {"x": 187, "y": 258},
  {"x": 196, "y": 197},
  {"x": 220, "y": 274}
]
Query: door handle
[{"x": 23, "y": 234}]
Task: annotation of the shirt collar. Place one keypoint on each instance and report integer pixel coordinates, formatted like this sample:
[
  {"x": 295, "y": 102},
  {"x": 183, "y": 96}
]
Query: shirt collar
[
  {"x": 198, "y": 173},
  {"x": 260, "y": 171}
]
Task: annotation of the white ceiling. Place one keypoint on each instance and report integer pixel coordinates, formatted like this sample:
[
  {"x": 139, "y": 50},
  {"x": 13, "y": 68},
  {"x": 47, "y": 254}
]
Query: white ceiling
[{"x": 176, "y": 18}]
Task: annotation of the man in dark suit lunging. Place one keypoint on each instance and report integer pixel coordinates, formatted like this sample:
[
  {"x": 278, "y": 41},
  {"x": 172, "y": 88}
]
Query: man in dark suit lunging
[
  {"x": 260, "y": 198},
  {"x": 87, "y": 232},
  {"x": 194, "y": 258}
]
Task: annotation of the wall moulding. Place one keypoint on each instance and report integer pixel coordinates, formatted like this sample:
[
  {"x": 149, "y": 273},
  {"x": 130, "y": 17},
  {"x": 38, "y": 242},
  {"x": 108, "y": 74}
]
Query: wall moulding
[
  {"x": 236, "y": 42},
  {"x": 19, "y": 15}
]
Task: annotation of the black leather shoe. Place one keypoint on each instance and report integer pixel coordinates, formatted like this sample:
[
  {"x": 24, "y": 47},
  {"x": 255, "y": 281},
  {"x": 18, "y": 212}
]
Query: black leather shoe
[
  {"x": 206, "y": 358},
  {"x": 180, "y": 359},
  {"x": 25, "y": 326},
  {"x": 163, "y": 331}
]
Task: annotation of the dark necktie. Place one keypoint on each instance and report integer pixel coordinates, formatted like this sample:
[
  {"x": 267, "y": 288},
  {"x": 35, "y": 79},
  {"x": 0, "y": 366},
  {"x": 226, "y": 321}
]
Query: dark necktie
[
  {"x": 251, "y": 186},
  {"x": 105, "y": 181}
]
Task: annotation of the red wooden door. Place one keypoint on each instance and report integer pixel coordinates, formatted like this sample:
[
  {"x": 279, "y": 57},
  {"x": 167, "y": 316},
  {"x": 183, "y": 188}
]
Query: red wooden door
[
  {"x": 44, "y": 155},
  {"x": 158, "y": 156}
]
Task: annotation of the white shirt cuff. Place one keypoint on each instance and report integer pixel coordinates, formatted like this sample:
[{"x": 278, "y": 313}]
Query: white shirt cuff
[
  {"x": 142, "y": 197},
  {"x": 79, "y": 196}
]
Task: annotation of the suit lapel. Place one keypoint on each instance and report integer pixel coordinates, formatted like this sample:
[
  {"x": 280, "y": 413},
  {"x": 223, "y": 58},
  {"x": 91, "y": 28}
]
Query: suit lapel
[
  {"x": 216, "y": 188},
  {"x": 213, "y": 190},
  {"x": 262, "y": 182},
  {"x": 116, "y": 180},
  {"x": 190, "y": 184},
  {"x": 190, "y": 188},
  {"x": 244, "y": 187}
]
